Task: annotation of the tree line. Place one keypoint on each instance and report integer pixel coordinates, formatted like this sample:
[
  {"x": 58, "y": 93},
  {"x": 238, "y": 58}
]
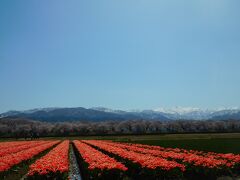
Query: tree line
[{"x": 23, "y": 128}]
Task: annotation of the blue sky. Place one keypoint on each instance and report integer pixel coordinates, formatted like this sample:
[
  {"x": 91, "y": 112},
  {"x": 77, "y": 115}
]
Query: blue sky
[{"x": 128, "y": 54}]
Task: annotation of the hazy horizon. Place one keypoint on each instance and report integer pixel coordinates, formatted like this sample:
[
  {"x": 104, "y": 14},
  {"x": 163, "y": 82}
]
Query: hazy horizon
[{"x": 120, "y": 55}]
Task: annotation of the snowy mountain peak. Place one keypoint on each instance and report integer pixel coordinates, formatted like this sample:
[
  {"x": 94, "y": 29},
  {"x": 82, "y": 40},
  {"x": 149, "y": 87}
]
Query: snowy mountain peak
[
  {"x": 178, "y": 110},
  {"x": 195, "y": 113}
]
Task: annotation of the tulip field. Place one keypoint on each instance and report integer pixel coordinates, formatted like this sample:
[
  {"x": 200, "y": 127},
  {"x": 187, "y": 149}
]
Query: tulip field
[{"x": 105, "y": 159}]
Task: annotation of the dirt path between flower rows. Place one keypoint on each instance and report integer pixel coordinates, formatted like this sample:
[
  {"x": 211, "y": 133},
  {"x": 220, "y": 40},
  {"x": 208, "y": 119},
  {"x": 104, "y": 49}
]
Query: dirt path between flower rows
[{"x": 74, "y": 172}]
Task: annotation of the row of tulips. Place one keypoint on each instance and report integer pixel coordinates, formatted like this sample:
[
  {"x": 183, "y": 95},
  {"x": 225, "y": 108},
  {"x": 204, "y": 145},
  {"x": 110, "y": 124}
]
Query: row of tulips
[
  {"x": 232, "y": 158},
  {"x": 19, "y": 147},
  {"x": 11, "y": 144},
  {"x": 148, "y": 164},
  {"x": 8, "y": 161},
  {"x": 97, "y": 165},
  {"x": 191, "y": 163},
  {"x": 112, "y": 160},
  {"x": 189, "y": 159},
  {"x": 54, "y": 165}
]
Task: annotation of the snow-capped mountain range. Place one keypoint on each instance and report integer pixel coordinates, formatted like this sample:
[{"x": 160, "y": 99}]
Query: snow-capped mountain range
[
  {"x": 196, "y": 113},
  {"x": 101, "y": 113},
  {"x": 188, "y": 113}
]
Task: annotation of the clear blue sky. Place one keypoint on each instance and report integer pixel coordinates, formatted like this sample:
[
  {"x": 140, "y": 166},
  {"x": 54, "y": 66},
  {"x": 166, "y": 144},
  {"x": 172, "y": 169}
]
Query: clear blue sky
[{"x": 128, "y": 54}]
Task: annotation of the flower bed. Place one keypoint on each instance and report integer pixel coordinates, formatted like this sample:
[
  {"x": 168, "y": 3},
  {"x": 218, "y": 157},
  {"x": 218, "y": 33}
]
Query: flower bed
[
  {"x": 54, "y": 165},
  {"x": 11, "y": 144},
  {"x": 102, "y": 159},
  {"x": 146, "y": 166},
  {"x": 19, "y": 147},
  {"x": 8, "y": 161},
  {"x": 197, "y": 163},
  {"x": 229, "y": 157},
  {"x": 98, "y": 165}
]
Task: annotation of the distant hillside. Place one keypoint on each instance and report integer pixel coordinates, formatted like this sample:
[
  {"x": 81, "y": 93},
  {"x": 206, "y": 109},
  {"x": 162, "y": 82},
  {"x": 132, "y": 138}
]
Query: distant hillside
[
  {"x": 104, "y": 114},
  {"x": 232, "y": 116},
  {"x": 81, "y": 114}
]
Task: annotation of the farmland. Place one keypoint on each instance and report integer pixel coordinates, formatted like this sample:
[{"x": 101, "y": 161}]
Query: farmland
[{"x": 170, "y": 156}]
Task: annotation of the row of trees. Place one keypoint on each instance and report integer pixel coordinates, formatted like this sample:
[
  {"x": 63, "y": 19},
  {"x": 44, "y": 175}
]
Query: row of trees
[{"x": 20, "y": 128}]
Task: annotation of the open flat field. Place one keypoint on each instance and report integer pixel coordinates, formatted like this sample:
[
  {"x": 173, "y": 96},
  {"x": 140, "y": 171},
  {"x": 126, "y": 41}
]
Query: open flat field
[
  {"x": 216, "y": 142},
  {"x": 222, "y": 143},
  {"x": 129, "y": 157}
]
